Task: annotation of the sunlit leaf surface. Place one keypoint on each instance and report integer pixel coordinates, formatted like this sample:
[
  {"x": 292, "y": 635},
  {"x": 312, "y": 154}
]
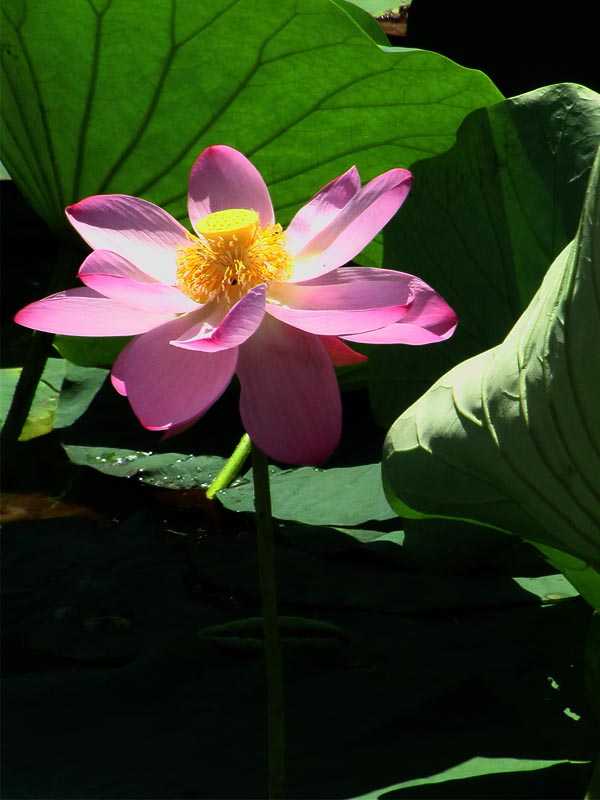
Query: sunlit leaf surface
[{"x": 121, "y": 98}]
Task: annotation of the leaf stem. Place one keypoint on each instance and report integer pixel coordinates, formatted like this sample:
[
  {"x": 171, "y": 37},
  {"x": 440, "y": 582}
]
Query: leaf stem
[
  {"x": 232, "y": 468},
  {"x": 39, "y": 349},
  {"x": 268, "y": 594}
]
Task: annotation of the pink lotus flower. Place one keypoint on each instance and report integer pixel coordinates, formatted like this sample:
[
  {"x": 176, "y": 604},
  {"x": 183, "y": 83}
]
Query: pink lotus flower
[{"x": 241, "y": 296}]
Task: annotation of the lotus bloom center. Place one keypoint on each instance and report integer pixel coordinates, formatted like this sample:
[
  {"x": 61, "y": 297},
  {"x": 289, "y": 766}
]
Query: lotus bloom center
[{"x": 231, "y": 255}]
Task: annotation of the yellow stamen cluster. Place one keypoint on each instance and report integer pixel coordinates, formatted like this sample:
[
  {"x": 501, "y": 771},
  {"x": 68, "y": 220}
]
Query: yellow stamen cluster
[{"x": 234, "y": 255}]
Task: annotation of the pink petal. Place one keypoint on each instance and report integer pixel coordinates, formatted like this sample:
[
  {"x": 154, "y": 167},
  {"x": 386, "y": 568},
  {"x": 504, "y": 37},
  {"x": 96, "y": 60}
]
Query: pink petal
[
  {"x": 177, "y": 429},
  {"x": 223, "y": 178},
  {"x": 429, "y": 319},
  {"x": 340, "y": 354},
  {"x": 217, "y": 332},
  {"x": 351, "y": 300},
  {"x": 115, "y": 277},
  {"x": 354, "y": 227},
  {"x": 140, "y": 231},
  {"x": 168, "y": 386},
  {"x": 106, "y": 262},
  {"x": 337, "y": 323},
  {"x": 84, "y": 312},
  {"x": 322, "y": 209},
  {"x": 290, "y": 400}
]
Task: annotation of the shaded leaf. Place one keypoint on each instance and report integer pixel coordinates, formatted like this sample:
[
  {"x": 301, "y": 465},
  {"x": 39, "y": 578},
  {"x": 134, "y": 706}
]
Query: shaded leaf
[
  {"x": 40, "y": 419},
  {"x": 472, "y": 768},
  {"x": 583, "y": 577},
  {"x": 549, "y": 588},
  {"x": 481, "y": 225},
  {"x": 165, "y": 470},
  {"x": 511, "y": 437},
  {"x": 246, "y": 637},
  {"x": 62, "y": 396},
  {"x": 80, "y": 386},
  {"x": 373, "y": 584},
  {"x": 90, "y": 351},
  {"x": 342, "y": 496}
]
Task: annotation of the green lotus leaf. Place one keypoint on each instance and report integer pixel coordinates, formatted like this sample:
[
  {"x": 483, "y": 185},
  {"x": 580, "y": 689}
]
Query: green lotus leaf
[
  {"x": 120, "y": 98},
  {"x": 482, "y": 223},
  {"x": 511, "y": 437}
]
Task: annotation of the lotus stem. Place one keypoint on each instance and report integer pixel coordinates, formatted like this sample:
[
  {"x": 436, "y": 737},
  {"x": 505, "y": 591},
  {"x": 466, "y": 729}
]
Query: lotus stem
[
  {"x": 232, "y": 468},
  {"x": 272, "y": 644},
  {"x": 35, "y": 361}
]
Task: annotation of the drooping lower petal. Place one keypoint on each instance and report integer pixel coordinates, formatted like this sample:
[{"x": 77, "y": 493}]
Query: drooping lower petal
[
  {"x": 114, "y": 276},
  {"x": 85, "y": 312},
  {"x": 354, "y": 227},
  {"x": 136, "y": 229},
  {"x": 345, "y": 301},
  {"x": 290, "y": 402},
  {"x": 429, "y": 319},
  {"x": 223, "y": 178},
  {"x": 168, "y": 386},
  {"x": 216, "y": 331},
  {"x": 337, "y": 323},
  {"x": 322, "y": 209}
]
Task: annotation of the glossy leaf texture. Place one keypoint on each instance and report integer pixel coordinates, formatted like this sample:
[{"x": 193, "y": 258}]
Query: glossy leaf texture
[
  {"x": 342, "y": 496},
  {"x": 121, "y": 99},
  {"x": 511, "y": 437},
  {"x": 482, "y": 224}
]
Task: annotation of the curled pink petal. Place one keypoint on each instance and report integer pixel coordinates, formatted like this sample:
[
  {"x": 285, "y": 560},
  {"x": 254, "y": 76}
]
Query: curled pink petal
[
  {"x": 337, "y": 323},
  {"x": 351, "y": 300},
  {"x": 353, "y": 228},
  {"x": 136, "y": 229},
  {"x": 85, "y": 312},
  {"x": 322, "y": 209},
  {"x": 340, "y": 354},
  {"x": 167, "y": 386},
  {"x": 429, "y": 319},
  {"x": 113, "y": 276},
  {"x": 223, "y": 178},
  {"x": 348, "y": 288},
  {"x": 118, "y": 384},
  {"x": 217, "y": 332},
  {"x": 290, "y": 401}
]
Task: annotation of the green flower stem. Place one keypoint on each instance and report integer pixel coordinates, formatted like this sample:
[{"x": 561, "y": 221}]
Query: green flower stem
[
  {"x": 232, "y": 468},
  {"x": 268, "y": 594}
]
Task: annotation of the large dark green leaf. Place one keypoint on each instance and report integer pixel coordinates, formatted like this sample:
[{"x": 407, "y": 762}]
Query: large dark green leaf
[
  {"x": 483, "y": 223},
  {"x": 342, "y": 496},
  {"x": 115, "y": 96},
  {"x": 511, "y": 437}
]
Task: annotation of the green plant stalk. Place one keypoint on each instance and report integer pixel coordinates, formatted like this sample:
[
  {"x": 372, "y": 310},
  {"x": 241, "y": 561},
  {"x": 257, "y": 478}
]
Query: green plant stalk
[
  {"x": 272, "y": 644},
  {"x": 232, "y": 468},
  {"x": 39, "y": 350},
  {"x": 65, "y": 266}
]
